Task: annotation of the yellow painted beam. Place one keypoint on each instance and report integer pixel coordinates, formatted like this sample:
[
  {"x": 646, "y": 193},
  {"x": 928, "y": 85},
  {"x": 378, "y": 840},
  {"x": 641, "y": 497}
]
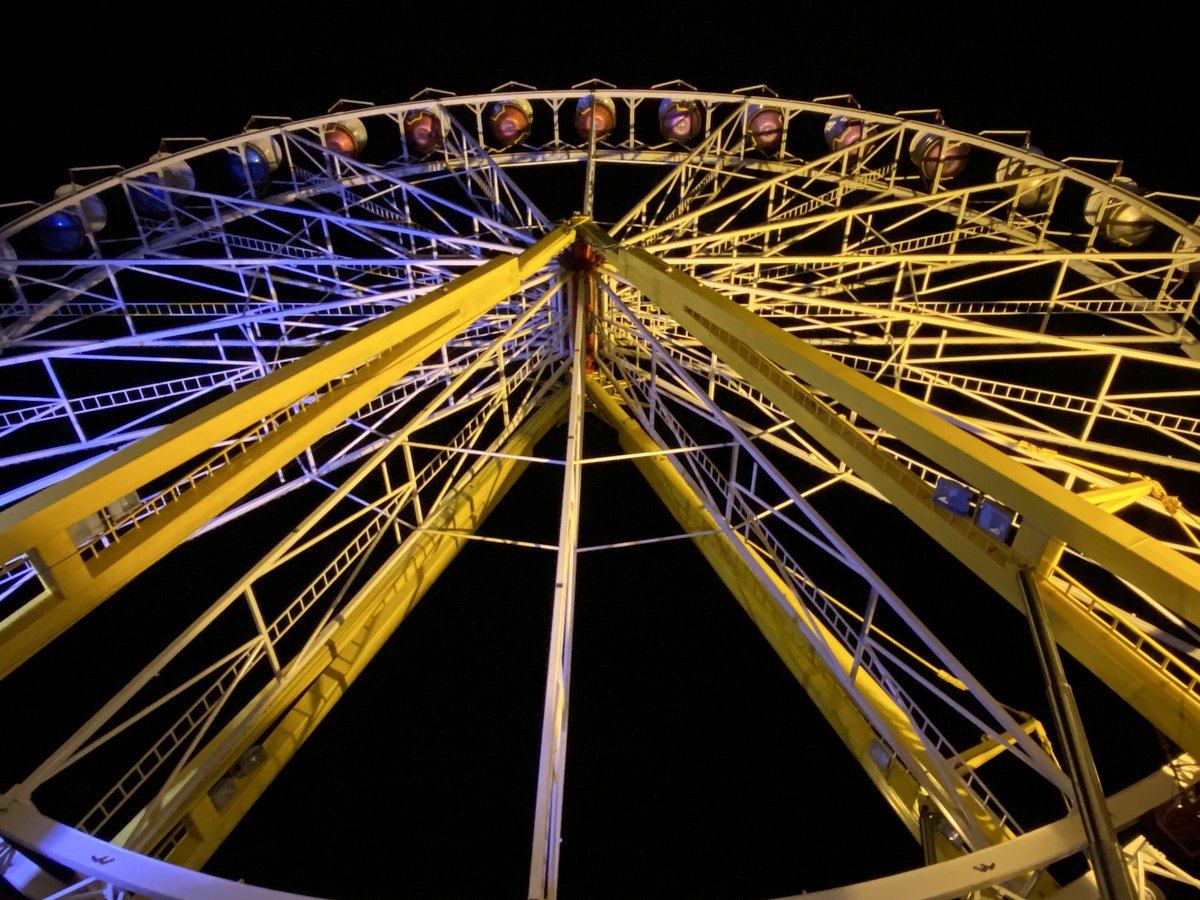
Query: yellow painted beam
[
  {"x": 899, "y": 787},
  {"x": 354, "y": 369},
  {"x": 1138, "y": 669},
  {"x": 776, "y": 362},
  {"x": 292, "y": 710},
  {"x": 989, "y": 748},
  {"x": 1116, "y": 497},
  {"x": 1170, "y": 705}
]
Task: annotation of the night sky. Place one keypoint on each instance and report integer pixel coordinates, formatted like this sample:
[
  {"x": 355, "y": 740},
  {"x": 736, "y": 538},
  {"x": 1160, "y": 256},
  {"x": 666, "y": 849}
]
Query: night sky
[{"x": 697, "y": 767}]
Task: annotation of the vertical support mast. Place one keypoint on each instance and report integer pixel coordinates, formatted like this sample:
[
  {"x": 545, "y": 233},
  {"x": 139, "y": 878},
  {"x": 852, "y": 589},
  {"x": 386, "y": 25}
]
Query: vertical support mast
[
  {"x": 547, "y": 821},
  {"x": 589, "y": 184},
  {"x": 1112, "y": 876}
]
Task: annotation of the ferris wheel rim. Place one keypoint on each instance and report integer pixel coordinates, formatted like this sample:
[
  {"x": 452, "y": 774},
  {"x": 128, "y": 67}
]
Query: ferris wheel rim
[
  {"x": 444, "y": 102},
  {"x": 1026, "y": 852}
]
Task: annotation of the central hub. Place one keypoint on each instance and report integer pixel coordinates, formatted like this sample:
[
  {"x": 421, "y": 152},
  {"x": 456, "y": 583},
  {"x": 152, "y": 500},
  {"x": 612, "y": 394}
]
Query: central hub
[{"x": 581, "y": 257}]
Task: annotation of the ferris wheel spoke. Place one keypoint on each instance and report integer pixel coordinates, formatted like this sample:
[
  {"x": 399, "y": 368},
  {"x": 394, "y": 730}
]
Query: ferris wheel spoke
[
  {"x": 1010, "y": 399},
  {"x": 217, "y": 286},
  {"x": 304, "y": 696},
  {"x": 626, "y": 347},
  {"x": 764, "y": 234},
  {"x": 1095, "y": 415},
  {"x": 468, "y": 194},
  {"x": 165, "y": 397},
  {"x": 367, "y": 193},
  {"x": 627, "y": 344},
  {"x": 876, "y": 656},
  {"x": 287, "y": 709},
  {"x": 1105, "y": 276},
  {"x": 429, "y": 520},
  {"x": 220, "y": 329},
  {"x": 748, "y": 483},
  {"x": 1131, "y": 290},
  {"x": 333, "y": 282},
  {"x": 539, "y": 364},
  {"x": 776, "y": 193},
  {"x": 673, "y": 292},
  {"x": 401, "y": 202},
  {"x": 695, "y": 177},
  {"x": 807, "y": 645},
  {"x": 271, "y": 333},
  {"x": 919, "y": 279},
  {"x": 968, "y": 320},
  {"x": 389, "y": 228},
  {"x": 717, "y": 377},
  {"x": 548, "y": 805},
  {"x": 942, "y": 363},
  {"x": 310, "y": 228},
  {"x": 492, "y": 186}
]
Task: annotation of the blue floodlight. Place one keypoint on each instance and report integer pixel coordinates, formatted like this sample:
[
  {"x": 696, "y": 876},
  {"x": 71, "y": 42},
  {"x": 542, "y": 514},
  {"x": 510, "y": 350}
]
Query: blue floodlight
[
  {"x": 995, "y": 519},
  {"x": 952, "y": 495}
]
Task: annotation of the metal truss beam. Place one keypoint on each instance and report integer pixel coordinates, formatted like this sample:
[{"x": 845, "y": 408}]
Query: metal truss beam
[
  {"x": 286, "y": 712},
  {"x": 352, "y": 371},
  {"x": 548, "y": 808},
  {"x": 729, "y": 556},
  {"x": 778, "y": 364},
  {"x": 113, "y": 871},
  {"x": 643, "y": 392}
]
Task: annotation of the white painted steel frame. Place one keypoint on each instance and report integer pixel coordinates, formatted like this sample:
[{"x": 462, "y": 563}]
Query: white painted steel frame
[{"x": 552, "y": 757}]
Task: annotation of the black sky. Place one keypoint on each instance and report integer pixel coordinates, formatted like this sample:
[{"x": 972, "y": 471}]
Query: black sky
[{"x": 104, "y": 88}]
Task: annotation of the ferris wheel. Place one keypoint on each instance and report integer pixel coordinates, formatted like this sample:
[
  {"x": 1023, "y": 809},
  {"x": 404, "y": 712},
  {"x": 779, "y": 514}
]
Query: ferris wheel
[{"x": 261, "y": 391}]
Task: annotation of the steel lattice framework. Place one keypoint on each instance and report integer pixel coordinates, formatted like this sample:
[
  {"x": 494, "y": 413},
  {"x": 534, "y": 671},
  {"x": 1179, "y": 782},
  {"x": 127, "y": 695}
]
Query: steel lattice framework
[{"x": 367, "y": 321}]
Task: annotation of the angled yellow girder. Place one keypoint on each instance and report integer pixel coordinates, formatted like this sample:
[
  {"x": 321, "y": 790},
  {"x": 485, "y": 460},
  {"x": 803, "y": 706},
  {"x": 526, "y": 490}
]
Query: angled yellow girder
[
  {"x": 325, "y": 386},
  {"x": 1115, "y": 498},
  {"x": 989, "y": 748},
  {"x": 790, "y": 373},
  {"x": 285, "y": 712},
  {"x": 727, "y": 554}
]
